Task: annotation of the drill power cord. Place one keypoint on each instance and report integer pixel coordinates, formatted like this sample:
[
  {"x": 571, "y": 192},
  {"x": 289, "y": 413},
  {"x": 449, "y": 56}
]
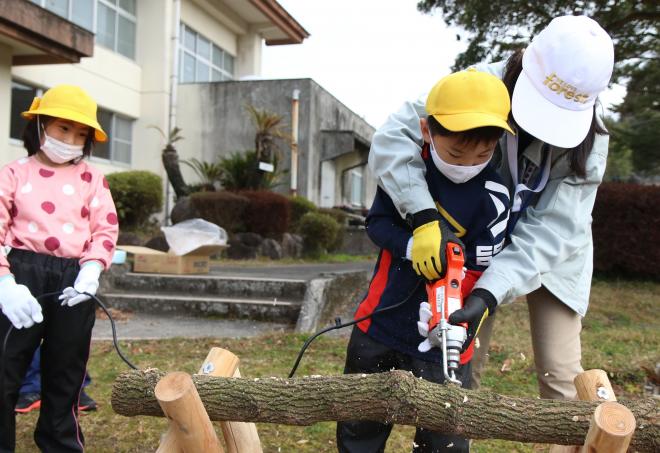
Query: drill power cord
[
  {"x": 339, "y": 325},
  {"x": 99, "y": 303}
]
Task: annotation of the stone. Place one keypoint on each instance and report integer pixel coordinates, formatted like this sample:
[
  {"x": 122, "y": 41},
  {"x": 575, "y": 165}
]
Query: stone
[
  {"x": 158, "y": 243},
  {"x": 271, "y": 248},
  {"x": 128, "y": 239},
  {"x": 249, "y": 239},
  {"x": 183, "y": 210},
  {"x": 292, "y": 245},
  {"x": 244, "y": 246}
]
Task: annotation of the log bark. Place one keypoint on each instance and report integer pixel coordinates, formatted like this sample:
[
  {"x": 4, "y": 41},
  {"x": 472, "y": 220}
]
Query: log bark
[{"x": 394, "y": 397}]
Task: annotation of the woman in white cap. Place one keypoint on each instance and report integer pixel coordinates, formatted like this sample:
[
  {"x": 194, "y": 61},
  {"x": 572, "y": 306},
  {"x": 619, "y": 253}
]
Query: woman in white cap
[{"x": 552, "y": 167}]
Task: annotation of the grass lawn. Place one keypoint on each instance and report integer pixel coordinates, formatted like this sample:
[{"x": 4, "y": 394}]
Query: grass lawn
[{"x": 621, "y": 334}]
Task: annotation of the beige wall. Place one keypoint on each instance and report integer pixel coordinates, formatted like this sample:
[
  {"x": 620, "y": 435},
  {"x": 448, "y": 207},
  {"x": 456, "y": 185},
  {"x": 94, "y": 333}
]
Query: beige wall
[
  {"x": 201, "y": 19},
  {"x": 6, "y": 154},
  {"x": 140, "y": 89}
]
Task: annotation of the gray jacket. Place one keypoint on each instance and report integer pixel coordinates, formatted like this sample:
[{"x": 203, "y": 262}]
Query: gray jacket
[{"x": 551, "y": 244}]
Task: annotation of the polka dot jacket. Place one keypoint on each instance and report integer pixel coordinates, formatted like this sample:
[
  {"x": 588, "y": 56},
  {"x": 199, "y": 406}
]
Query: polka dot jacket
[{"x": 66, "y": 211}]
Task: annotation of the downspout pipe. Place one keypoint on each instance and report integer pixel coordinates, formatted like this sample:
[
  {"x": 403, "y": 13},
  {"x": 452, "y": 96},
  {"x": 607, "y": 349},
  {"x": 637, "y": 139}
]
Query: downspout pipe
[
  {"x": 294, "y": 141},
  {"x": 174, "y": 83}
]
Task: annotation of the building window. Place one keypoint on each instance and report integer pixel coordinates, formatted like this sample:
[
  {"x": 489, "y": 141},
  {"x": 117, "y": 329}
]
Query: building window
[
  {"x": 115, "y": 20},
  {"x": 21, "y": 99},
  {"x": 120, "y": 137},
  {"x": 353, "y": 188},
  {"x": 202, "y": 61},
  {"x": 115, "y": 26}
]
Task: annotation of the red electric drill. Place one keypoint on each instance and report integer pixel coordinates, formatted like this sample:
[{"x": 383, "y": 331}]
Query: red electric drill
[{"x": 444, "y": 297}]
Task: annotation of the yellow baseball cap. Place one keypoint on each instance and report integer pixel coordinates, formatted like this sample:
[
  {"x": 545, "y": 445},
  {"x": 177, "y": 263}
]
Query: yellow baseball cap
[
  {"x": 68, "y": 102},
  {"x": 469, "y": 99}
]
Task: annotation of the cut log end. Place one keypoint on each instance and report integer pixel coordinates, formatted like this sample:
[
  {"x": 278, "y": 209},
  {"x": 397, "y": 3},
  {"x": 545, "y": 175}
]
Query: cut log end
[
  {"x": 173, "y": 386},
  {"x": 615, "y": 419}
]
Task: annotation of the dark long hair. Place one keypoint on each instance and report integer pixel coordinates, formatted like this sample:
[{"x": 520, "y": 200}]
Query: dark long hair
[
  {"x": 32, "y": 137},
  {"x": 578, "y": 155}
]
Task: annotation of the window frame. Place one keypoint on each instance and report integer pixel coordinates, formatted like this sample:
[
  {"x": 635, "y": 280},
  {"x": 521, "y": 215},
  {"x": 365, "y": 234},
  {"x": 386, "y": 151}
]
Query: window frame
[
  {"x": 111, "y": 160},
  {"x": 39, "y": 92},
  {"x": 118, "y": 10},
  {"x": 198, "y": 58}
]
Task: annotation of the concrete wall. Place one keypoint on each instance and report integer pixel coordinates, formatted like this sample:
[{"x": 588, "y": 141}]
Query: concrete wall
[{"x": 215, "y": 123}]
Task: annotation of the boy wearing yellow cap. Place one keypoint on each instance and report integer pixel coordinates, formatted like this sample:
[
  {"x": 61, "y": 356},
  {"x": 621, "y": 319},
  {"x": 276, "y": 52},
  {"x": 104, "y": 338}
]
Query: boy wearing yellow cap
[
  {"x": 58, "y": 230},
  {"x": 467, "y": 115}
]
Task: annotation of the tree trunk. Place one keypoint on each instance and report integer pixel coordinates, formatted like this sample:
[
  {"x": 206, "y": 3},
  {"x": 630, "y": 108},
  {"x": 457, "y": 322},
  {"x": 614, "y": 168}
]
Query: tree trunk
[
  {"x": 171, "y": 163},
  {"x": 393, "y": 397}
]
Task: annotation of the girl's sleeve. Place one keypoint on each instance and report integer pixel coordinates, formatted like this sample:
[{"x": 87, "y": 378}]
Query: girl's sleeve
[
  {"x": 7, "y": 188},
  {"x": 384, "y": 226},
  {"x": 104, "y": 226}
]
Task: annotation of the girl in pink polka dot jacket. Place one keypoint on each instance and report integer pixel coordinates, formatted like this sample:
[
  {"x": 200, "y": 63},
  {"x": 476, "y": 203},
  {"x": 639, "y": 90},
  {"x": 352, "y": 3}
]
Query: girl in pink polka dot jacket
[{"x": 58, "y": 230}]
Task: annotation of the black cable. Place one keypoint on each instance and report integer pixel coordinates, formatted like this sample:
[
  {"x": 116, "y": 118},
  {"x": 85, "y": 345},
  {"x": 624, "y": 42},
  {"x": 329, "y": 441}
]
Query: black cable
[
  {"x": 100, "y": 304},
  {"x": 338, "y": 325},
  {"x": 114, "y": 330}
]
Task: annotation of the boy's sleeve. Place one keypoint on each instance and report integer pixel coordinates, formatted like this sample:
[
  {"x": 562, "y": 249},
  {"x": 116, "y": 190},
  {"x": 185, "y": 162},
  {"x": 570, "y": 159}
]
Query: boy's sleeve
[
  {"x": 7, "y": 189},
  {"x": 104, "y": 226},
  {"x": 385, "y": 227}
]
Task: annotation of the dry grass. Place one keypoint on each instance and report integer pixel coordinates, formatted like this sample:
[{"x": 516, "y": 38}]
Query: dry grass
[{"x": 621, "y": 334}]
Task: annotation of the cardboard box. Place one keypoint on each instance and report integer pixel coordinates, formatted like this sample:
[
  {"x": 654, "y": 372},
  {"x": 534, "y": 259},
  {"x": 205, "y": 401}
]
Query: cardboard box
[{"x": 154, "y": 261}]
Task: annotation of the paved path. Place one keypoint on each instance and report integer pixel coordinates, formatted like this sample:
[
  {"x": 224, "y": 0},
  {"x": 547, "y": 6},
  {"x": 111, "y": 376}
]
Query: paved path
[{"x": 143, "y": 326}]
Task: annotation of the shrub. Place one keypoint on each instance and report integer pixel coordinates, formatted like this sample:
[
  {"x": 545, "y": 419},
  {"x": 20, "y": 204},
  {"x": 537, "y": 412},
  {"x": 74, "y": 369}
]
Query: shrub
[
  {"x": 319, "y": 232},
  {"x": 299, "y": 207},
  {"x": 137, "y": 195},
  {"x": 240, "y": 171},
  {"x": 341, "y": 218},
  {"x": 225, "y": 209},
  {"x": 267, "y": 214},
  {"x": 626, "y": 230}
]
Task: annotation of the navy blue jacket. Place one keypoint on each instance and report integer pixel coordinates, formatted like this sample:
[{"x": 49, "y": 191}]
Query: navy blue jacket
[{"x": 477, "y": 211}]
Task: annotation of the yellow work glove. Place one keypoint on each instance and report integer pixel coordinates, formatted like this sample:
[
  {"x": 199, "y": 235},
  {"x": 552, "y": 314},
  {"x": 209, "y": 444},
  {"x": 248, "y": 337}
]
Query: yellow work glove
[{"x": 430, "y": 237}]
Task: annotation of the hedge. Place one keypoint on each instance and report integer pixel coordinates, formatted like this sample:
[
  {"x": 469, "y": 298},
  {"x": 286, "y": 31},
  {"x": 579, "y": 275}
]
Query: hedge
[
  {"x": 319, "y": 232},
  {"x": 626, "y": 230},
  {"x": 267, "y": 213},
  {"x": 299, "y": 207},
  {"x": 137, "y": 195},
  {"x": 225, "y": 209}
]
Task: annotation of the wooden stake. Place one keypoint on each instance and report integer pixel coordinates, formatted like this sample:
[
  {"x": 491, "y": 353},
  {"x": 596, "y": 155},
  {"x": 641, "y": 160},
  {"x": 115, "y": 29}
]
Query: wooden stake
[
  {"x": 611, "y": 429},
  {"x": 178, "y": 397},
  {"x": 593, "y": 385},
  {"x": 240, "y": 437}
]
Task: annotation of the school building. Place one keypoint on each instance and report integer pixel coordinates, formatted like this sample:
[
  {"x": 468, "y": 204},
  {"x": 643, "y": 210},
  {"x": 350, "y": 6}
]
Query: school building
[{"x": 123, "y": 53}]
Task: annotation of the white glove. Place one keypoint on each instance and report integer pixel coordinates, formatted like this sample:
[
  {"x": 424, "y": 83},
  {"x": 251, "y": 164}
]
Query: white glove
[
  {"x": 425, "y": 316},
  {"x": 18, "y": 304},
  {"x": 86, "y": 282}
]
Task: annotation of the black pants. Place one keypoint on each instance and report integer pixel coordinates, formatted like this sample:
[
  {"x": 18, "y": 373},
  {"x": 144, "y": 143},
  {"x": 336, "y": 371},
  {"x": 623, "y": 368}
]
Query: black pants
[
  {"x": 66, "y": 333},
  {"x": 365, "y": 355}
]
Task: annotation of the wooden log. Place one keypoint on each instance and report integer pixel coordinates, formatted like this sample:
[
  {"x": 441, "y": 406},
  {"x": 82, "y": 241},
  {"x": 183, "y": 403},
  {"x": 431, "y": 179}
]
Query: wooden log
[
  {"x": 177, "y": 396},
  {"x": 611, "y": 429},
  {"x": 240, "y": 437},
  {"x": 392, "y": 397}
]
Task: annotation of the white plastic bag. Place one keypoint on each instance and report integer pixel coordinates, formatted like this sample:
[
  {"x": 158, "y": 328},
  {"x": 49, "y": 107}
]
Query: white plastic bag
[{"x": 186, "y": 236}]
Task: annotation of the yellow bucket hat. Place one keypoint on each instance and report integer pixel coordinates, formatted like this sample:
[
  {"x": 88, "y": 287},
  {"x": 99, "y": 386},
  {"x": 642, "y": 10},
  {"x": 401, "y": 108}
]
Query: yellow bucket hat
[
  {"x": 68, "y": 102},
  {"x": 468, "y": 100}
]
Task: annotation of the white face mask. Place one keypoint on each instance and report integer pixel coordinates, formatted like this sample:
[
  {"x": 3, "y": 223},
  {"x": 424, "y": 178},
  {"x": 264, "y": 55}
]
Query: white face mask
[
  {"x": 458, "y": 174},
  {"x": 58, "y": 151}
]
